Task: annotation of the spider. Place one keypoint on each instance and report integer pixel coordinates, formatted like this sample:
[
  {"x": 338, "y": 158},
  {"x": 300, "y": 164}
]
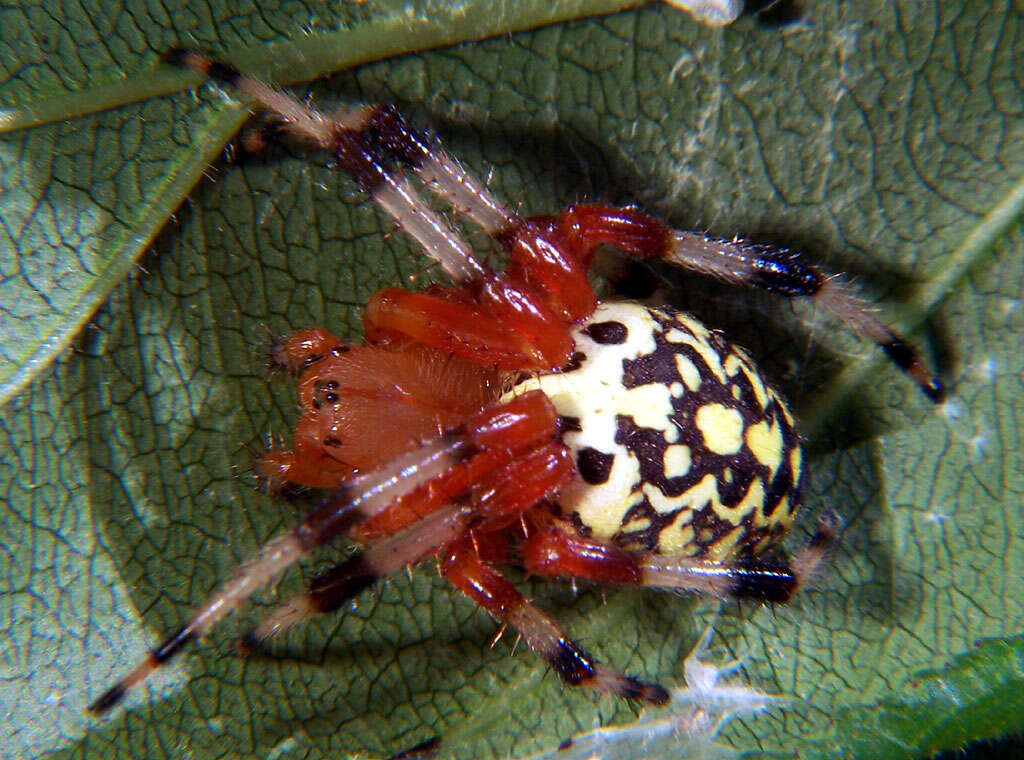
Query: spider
[{"x": 512, "y": 416}]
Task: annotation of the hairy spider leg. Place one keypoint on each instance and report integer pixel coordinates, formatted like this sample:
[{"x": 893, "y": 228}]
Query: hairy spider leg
[
  {"x": 503, "y": 496},
  {"x": 501, "y": 320},
  {"x": 329, "y": 590},
  {"x": 555, "y": 553},
  {"x": 496, "y": 501},
  {"x": 477, "y": 579},
  {"x": 740, "y": 262},
  {"x": 435, "y": 474},
  {"x": 344, "y": 135}
]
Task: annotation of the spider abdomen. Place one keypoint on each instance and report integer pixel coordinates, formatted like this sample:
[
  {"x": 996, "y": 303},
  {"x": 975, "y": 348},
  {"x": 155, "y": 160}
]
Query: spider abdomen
[{"x": 682, "y": 448}]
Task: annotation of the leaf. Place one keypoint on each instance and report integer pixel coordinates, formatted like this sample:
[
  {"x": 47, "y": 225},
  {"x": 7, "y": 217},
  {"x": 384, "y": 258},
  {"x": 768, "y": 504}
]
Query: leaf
[{"x": 886, "y": 140}]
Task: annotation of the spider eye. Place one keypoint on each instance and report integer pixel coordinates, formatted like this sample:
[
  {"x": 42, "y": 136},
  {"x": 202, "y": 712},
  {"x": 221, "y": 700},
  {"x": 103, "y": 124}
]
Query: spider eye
[{"x": 326, "y": 393}]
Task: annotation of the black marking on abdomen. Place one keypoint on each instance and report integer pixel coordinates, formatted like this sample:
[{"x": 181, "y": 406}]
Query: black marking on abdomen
[
  {"x": 574, "y": 363},
  {"x": 569, "y": 424},
  {"x": 649, "y": 445},
  {"x": 609, "y": 333},
  {"x": 595, "y": 466}
]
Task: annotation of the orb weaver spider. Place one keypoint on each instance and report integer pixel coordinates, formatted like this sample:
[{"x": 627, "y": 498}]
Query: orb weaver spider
[{"x": 513, "y": 415}]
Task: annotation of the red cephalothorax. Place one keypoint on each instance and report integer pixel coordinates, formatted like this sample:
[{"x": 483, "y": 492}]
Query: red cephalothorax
[{"x": 512, "y": 415}]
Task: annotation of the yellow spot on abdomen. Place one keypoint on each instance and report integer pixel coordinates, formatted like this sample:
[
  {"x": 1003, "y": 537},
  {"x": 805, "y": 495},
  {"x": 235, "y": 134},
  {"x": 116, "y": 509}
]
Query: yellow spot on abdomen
[
  {"x": 765, "y": 442},
  {"x": 721, "y": 427},
  {"x": 676, "y": 461},
  {"x": 688, "y": 371}
]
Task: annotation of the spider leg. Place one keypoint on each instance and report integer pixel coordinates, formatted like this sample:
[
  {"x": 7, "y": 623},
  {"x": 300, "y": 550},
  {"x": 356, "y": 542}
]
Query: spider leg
[
  {"x": 477, "y": 579},
  {"x": 424, "y": 154},
  {"x": 536, "y": 300},
  {"x": 513, "y": 330},
  {"x": 401, "y": 539},
  {"x": 435, "y": 473},
  {"x": 349, "y": 136},
  {"x": 383, "y": 129},
  {"x": 552, "y": 552},
  {"x": 345, "y": 581},
  {"x": 740, "y": 262},
  {"x": 498, "y": 500}
]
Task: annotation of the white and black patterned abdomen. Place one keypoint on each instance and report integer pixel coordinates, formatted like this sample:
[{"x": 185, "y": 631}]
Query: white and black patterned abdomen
[{"x": 681, "y": 446}]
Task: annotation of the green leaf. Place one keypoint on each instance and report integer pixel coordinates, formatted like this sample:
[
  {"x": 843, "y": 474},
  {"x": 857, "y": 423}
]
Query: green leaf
[{"x": 884, "y": 139}]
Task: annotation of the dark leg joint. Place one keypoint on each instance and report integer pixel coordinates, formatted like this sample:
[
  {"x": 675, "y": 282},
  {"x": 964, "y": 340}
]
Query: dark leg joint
[
  {"x": 172, "y": 645},
  {"x": 335, "y": 586},
  {"x": 764, "y": 582},
  {"x": 334, "y": 515},
  {"x": 422, "y": 751},
  {"x": 464, "y": 450},
  {"x": 900, "y": 353},
  {"x": 355, "y": 153},
  {"x": 254, "y": 142},
  {"x": 248, "y": 643},
  {"x": 781, "y": 271},
  {"x": 904, "y": 357},
  {"x": 389, "y": 130},
  {"x": 571, "y": 663},
  {"x": 222, "y": 72},
  {"x": 177, "y": 56}
]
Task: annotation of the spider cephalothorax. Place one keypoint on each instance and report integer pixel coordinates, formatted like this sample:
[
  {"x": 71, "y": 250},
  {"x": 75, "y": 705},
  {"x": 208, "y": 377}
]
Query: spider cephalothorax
[{"x": 512, "y": 415}]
